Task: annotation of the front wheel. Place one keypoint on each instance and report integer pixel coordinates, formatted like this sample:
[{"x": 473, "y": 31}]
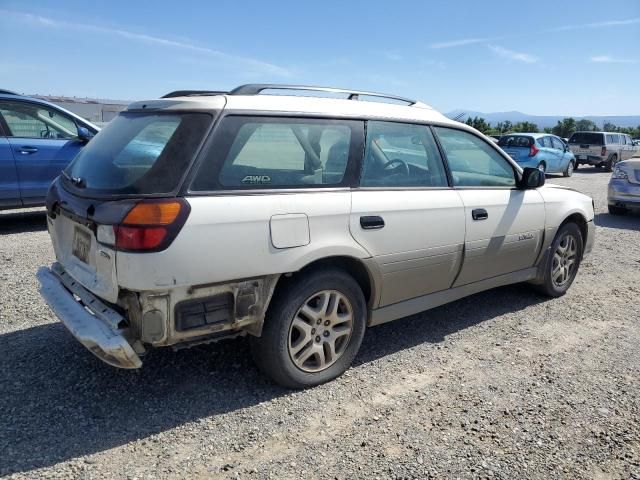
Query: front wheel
[
  {"x": 562, "y": 262},
  {"x": 313, "y": 330},
  {"x": 569, "y": 170}
]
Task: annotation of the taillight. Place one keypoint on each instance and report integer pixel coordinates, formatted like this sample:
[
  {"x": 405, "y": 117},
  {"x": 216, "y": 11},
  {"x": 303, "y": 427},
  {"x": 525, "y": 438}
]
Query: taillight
[
  {"x": 150, "y": 226},
  {"x": 533, "y": 150},
  {"x": 603, "y": 152},
  {"x": 139, "y": 238}
]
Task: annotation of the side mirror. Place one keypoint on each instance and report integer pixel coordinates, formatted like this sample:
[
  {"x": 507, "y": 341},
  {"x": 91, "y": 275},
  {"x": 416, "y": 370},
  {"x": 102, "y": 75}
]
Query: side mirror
[
  {"x": 84, "y": 135},
  {"x": 531, "y": 178}
]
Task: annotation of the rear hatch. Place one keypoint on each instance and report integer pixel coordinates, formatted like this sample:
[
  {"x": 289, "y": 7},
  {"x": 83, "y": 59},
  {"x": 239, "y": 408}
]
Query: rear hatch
[
  {"x": 517, "y": 147},
  {"x": 586, "y": 144},
  {"x": 135, "y": 157}
]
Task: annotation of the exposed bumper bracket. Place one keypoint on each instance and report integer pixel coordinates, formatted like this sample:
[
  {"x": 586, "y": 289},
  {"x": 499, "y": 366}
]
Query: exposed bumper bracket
[{"x": 93, "y": 323}]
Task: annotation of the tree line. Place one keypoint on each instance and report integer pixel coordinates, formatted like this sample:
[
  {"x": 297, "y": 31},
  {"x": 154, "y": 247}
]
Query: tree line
[{"x": 563, "y": 128}]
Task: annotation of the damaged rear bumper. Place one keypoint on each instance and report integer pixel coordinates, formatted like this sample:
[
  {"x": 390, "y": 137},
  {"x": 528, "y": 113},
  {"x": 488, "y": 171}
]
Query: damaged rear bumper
[{"x": 94, "y": 324}]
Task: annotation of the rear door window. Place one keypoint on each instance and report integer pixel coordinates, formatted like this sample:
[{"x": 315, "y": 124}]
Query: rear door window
[
  {"x": 139, "y": 153},
  {"x": 401, "y": 155},
  {"x": 557, "y": 143},
  {"x": 269, "y": 152}
]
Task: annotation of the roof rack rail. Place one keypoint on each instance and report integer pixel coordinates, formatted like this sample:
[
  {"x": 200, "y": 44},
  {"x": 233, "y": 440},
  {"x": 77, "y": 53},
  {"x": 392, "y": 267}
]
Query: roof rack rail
[
  {"x": 7, "y": 92},
  {"x": 193, "y": 93},
  {"x": 257, "y": 88}
]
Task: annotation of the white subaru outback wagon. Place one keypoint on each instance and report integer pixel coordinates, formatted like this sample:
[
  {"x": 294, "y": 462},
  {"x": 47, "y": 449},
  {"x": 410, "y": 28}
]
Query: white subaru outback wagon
[{"x": 295, "y": 219}]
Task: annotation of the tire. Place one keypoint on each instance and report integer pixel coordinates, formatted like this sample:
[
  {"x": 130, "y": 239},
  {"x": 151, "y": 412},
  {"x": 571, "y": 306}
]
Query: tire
[
  {"x": 569, "y": 170},
  {"x": 600, "y": 165},
  {"x": 611, "y": 162},
  {"x": 289, "y": 334},
  {"x": 614, "y": 210},
  {"x": 559, "y": 276}
]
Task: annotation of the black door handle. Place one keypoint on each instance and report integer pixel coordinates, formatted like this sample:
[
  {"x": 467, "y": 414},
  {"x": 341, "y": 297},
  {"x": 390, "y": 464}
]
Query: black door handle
[
  {"x": 371, "y": 222},
  {"x": 479, "y": 214},
  {"x": 27, "y": 150}
]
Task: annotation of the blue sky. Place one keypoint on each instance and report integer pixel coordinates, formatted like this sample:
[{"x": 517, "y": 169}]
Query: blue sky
[{"x": 548, "y": 57}]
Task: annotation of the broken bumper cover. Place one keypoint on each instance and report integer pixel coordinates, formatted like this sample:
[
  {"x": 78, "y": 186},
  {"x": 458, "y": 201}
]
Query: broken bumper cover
[{"x": 94, "y": 324}]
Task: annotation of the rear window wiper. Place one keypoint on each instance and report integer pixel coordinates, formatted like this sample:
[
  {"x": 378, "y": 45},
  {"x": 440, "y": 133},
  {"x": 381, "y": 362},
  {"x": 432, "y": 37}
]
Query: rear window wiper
[{"x": 77, "y": 181}]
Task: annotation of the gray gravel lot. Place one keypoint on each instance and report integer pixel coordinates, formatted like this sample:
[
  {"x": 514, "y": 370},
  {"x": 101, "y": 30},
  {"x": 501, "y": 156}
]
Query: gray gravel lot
[{"x": 504, "y": 384}]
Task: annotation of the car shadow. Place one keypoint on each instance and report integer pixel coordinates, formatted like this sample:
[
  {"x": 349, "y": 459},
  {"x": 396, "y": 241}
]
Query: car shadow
[
  {"x": 53, "y": 389},
  {"x": 590, "y": 170},
  {"x": 23, "y": 221},
  {"x": 629, "y": 221}
]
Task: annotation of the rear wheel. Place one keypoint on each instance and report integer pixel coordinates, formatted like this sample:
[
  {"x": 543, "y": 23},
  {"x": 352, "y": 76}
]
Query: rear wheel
[
  {"x": 611, "y": 163},
  {"x": 614, "y": 210},
  {"x": 569, "y": 170},
  {"x": 563, "y": 261},
  {"x": 313, "y": 330}
]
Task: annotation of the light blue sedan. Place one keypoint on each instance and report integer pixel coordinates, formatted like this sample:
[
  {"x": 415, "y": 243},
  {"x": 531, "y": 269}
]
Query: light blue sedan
[{"x": 541, "y": 150}]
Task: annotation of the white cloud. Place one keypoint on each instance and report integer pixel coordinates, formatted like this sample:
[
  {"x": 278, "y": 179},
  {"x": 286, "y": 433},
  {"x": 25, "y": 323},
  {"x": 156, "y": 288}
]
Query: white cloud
[
  {"x": 264, "y": 67},
  {"x": 608, "y": 59},
  {"x": 512, "y": 55},
  {"x": 604, "y": 24},
  {"x": 460, "y": 43}
]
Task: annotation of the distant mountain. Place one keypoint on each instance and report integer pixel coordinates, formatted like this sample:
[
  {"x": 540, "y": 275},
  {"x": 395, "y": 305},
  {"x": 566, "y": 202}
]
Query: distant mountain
[{"x": 546, "y": 120}]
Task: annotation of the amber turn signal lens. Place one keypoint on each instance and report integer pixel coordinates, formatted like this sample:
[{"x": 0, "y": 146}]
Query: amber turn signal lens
[{"x": 153, "y": 213}]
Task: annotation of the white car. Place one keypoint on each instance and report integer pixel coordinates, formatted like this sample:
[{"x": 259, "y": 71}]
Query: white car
[{"x": 297, "y": 220}]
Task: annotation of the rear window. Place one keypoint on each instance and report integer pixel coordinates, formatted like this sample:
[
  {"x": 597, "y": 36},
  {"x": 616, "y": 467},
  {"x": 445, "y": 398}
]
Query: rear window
[
  {"x": 139, "y": 153},
  {"x": 590, "y": 138},
  {"x": 515, "y": 141}
]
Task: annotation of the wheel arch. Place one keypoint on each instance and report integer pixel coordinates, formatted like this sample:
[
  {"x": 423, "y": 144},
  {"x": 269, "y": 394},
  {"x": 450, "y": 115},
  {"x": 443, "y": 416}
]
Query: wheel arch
[
  {"x": 580, "y": 220},
  {"x": 363, "y": 271}
]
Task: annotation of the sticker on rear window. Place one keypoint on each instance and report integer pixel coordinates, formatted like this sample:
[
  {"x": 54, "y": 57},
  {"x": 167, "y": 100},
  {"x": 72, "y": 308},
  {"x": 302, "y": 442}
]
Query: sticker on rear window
[{"x": 256, "y": 179}]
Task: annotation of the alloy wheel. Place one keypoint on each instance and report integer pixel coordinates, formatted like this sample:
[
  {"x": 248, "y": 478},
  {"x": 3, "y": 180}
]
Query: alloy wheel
[
  {"x": 564, "y": 260},
  {"x": 320, "y": 331}
]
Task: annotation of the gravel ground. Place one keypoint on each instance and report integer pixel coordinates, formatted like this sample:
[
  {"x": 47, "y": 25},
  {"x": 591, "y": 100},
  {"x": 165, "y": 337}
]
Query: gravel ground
[{"x": 504, "y": 384}]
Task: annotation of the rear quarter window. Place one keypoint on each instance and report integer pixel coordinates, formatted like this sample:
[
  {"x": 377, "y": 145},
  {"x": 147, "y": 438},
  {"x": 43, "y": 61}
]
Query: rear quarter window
[{"x": 271, "y": 152}]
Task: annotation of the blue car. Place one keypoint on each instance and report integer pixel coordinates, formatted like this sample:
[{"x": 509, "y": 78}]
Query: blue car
[
  {"x": 37, "y": 141},
  {"x": 540, "y": 150}
]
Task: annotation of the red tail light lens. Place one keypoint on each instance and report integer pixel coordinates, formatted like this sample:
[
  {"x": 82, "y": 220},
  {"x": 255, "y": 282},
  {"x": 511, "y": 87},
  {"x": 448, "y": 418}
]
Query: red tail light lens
[
  {"x": 533, "y": 150},
  {"x": 139, "y": 238},
  {"x": 603, "y": 152},
  {"x": 151, "y": 225}
]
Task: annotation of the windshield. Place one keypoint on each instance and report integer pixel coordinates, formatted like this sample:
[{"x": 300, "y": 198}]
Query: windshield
[
  {"x": 515, "y": 141},
  {"x": 139, "y": 153},
  {"x": 586, "y": 137}
]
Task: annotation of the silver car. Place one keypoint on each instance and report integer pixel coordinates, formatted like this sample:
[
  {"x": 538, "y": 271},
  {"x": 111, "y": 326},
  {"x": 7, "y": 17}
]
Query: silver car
[
  {"x": 624, "y": 187},
  {"x": 601, "y": 149}
]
